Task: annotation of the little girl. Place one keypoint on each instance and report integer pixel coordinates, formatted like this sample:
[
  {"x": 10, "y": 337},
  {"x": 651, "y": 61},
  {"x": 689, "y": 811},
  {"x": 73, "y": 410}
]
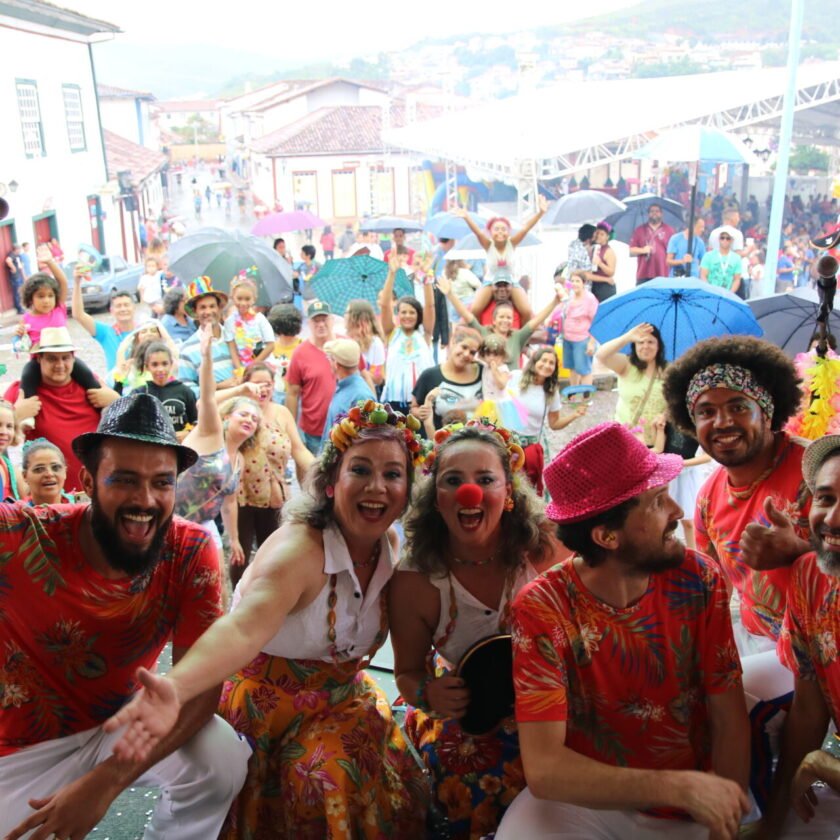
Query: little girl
[
  {"x": 43, "y": 296},
  {"x": 498, "y": 405},
  {"x": 248, "y": 333},
  {"x": 11, "y": 480},
  {"x": 150, "y": 287},
  {"x": 129, "y": 372},
  {"x": 177, "y": 398}
]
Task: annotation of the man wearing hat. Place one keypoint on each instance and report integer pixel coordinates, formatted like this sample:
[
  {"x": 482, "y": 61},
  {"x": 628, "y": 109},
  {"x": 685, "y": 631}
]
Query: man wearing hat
[
  {"x": 90, "y": 593},
  {"x": 808, "y": 646},
  {"x": 61, "y": 407},
  {"x": 628, "y": 689},
  {"x": 206, "y": 305},
  {"x": 344, "y": 355},
  {"x": 734, "y": 395},
  {"x": 310, "y": 381}
]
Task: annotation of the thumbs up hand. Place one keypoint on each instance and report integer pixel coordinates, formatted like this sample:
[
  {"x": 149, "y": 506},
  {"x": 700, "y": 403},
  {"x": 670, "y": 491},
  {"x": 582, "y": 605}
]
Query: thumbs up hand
[{"x": 771, "y": 547}]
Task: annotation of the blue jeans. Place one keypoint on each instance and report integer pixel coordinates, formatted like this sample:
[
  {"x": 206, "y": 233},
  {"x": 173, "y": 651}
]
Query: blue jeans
[{"x": 312, "y": 443}]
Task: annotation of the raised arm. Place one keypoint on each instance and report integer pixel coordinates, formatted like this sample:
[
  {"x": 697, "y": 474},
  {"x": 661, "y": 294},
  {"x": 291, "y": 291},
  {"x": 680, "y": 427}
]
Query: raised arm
[
  {"x": 78, "y": 304},
  {"x": 609, "y": 353},
  {"x": 387, "y": 293},
  {"x": 209, "y": 420},
  {"x": 44, "y": 255},
  {"x": 542, "y": 206},
  {"x": 444, "y": 285},
  {"x": 559, "y": 297},
  {"x": 480, "y": 235},
  {"x": 429, "y": 310}
]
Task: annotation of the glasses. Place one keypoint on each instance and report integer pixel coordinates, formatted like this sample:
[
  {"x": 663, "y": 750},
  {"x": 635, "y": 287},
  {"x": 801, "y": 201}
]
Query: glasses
[{"x": 725, "y": 236}]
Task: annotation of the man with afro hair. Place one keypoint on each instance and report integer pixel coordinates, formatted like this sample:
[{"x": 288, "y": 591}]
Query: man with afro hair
[{"x": 734, "y": 395}]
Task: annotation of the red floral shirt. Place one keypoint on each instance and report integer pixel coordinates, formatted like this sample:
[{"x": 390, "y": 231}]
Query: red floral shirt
[
  {"x": 631, "y": 683},
  {"x": 721, "y": 518},
  {"x": 70, "y": 639},
  {"x": 811, "y": 630}
]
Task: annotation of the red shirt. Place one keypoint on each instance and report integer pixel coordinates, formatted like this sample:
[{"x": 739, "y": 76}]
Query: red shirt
[
  {"x": 720, "y": 519},
  {"x": 70, "y": 639},
  {"x": 65, "y": 414},
  {"x": 654, "y": 265},
  {"x": 630, "y": 683},
  {"x": 486, "y": 317},
  {"x": 310, "y": 368},
  {"x": 811, "y": 631}
]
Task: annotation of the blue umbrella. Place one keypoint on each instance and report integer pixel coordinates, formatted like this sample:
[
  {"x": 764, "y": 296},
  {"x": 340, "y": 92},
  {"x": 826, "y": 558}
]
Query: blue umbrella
[
  {"x": 340, "y": 281},
  {"x": 387, "y": 224},
  {"x": 447, "y": 226},
  {"x": 696, "y": 144},
  {"x": 684, "y": 311}
]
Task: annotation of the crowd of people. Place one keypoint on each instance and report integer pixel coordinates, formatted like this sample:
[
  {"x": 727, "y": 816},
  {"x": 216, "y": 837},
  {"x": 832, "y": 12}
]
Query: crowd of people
[{"x": 279, "y": 493}]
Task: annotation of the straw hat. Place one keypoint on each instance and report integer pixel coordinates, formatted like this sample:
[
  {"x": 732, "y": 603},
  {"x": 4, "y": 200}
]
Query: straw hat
[
  {"x": 55, "y": 340},
  {"x": 815, "y": 455}
]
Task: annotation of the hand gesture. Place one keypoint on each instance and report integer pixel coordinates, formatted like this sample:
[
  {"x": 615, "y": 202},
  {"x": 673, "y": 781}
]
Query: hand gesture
[
  {"x": 205, "y": 341},
  {"x": 444, "y": 285},
  {"x": 25, "y": 408},
  {"x": 542, "y": 204},
  {"x": 81, "y": 270},
  {"x": 43, "y": 254},
  {"x": 639, "y": 332},
  {"x": 560, "y": 291},
  {"x": 148, "y": 716},
  {"x": 770, "y": 547},
  {"x": 448, "y": 696},
  {"x": 72, "y": 811},
  {"x": 715, "y": 802},
  {"x": 460, "y": 212}
]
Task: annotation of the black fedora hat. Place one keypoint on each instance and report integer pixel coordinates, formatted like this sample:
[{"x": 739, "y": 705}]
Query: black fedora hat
[{"x": 139, "y": 417}]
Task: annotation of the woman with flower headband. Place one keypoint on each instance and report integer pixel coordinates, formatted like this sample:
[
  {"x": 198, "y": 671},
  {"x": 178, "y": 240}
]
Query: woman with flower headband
[
  {"x": 475, "y": 534},
  {"x": 307, "y": 616}
]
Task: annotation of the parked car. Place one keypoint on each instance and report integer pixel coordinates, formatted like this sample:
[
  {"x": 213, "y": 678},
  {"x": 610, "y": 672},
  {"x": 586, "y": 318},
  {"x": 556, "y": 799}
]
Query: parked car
[{"x": 114, "y": 274}]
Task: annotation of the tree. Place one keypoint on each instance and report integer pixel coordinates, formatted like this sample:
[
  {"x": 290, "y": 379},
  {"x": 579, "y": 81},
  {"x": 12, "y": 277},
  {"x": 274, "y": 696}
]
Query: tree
[{"x": 804, "y": 158}]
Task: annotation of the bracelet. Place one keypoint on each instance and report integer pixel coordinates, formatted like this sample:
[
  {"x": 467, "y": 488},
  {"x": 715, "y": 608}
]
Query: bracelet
[{"x": 421, "y": 700}]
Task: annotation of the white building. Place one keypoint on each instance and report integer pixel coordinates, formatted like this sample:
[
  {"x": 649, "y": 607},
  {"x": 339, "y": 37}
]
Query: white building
[
  {"x": 52, "y": 160},
  {"x": 128, "y": 113}
]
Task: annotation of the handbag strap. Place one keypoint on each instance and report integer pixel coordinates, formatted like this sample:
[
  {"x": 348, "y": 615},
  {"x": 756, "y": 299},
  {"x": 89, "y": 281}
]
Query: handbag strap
[{"x": 635, "y": 421}]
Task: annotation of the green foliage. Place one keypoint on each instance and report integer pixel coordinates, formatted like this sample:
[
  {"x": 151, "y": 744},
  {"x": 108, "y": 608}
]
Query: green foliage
[
  {"x": 683, "y": 66},
  {"x": 804, "y": 158}
]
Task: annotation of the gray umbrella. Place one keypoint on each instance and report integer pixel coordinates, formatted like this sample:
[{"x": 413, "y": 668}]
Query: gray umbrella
[
  {"x": 789, "y": 320},
  {"x": 582, "y": 206},
  {"x": 222, "y": 254}
]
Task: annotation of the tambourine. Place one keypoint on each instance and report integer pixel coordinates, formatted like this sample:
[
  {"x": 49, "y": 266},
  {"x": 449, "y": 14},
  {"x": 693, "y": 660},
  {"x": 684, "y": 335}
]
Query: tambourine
[{"x": 487, "y": 669}]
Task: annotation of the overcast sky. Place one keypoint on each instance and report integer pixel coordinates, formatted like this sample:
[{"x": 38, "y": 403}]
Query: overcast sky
[{"x": 325, "y": 29}]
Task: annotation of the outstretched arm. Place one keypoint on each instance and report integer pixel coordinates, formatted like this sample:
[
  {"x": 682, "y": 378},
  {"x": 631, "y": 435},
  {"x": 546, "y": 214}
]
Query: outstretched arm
[
  {"x": 517, "y": 237},
  {"x": 444, "y": 285},
  {"x": 610, "y": 355},
  {"x": 480, "y": 235},
  {"x": 387, "y": 294},
  {"x": 559, "y": 297},
  {"x": 88, "y": 324},
  {"x": 209, "y": 419},
  {"x": 44, "y": 255}
]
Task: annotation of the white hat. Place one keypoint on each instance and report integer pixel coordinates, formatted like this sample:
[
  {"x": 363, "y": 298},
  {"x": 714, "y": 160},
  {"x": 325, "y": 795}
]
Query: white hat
[{"x": 55, "y": 340}]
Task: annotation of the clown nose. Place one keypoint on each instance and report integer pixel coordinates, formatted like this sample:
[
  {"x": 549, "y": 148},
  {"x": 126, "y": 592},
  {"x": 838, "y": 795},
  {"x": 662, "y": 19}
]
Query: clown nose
[{"x": 469, "y": 495}]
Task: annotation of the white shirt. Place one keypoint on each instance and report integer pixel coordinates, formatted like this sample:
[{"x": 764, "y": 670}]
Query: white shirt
[{"x": 533, "y": 398}]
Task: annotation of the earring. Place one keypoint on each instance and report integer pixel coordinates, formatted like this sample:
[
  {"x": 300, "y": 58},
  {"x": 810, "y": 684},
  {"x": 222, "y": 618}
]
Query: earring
[
  {"x": 329, "y": 491},
  {"x": 509, "y": 504}
]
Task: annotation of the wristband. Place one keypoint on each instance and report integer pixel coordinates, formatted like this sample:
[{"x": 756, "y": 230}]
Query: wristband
[
  {"x": 831, "y": 745},
  {"x": 421, "y": 699}
]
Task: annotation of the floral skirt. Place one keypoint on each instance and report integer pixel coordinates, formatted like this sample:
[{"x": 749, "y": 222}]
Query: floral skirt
[
  {"x": 475, "y": 777},
  {"x": 329, "y": 761}
]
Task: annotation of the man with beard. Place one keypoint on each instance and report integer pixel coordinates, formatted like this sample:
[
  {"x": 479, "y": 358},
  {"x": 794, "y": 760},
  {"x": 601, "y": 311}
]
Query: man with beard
[
  {"x": 89, "y": 594},
  {"x": 649, "y": 244},
  {"x": 809, "y": 647},
  {"x": 628, "y": 689},
  {"x": 734, "y": 395},
  {"x": 206, "y": 304}
]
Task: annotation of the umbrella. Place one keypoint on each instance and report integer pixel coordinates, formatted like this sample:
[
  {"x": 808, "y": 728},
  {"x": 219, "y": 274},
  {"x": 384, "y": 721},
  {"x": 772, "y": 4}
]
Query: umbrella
[
  {"x": 287, "y": 222},
  {"x": 626, "y": 221},
  {"x": 582, "y": 206},
  {"x": 340, "y": 281},
  {"x": 447, "y": 226},
  {"x": 696, "y": 144},
  {"x": 684, "y": 310},
  {"x": 387, "y": 224},
  {"x": 469, "y": 248},
  {"x": 789, "y": 320},
  {"x": 222, "y": 254}
]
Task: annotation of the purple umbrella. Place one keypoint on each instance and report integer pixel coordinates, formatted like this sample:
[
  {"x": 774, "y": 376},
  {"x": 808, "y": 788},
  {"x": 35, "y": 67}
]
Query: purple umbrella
[{"x": 286, "y": 222}]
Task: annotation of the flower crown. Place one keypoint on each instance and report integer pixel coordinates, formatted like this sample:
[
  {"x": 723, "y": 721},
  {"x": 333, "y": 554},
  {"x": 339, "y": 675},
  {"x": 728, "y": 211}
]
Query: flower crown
[
  {"x": 368, "y": 414},
  {"x": 247, "y": 277},
  {"x": 509, "y": 439}
]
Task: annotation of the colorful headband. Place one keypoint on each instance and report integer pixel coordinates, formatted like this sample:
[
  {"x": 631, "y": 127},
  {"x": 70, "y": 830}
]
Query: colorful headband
[
  {"x": 509, "y": 439},
  {"x": 247, "y": 277},
  {"x": 733, "y": 377},
  {"x": 368, "y": 414}
]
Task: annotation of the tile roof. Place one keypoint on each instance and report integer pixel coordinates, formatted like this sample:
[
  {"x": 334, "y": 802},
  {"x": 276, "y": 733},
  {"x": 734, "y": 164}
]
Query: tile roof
[
  {"x": 124, "y": 154},
  {"x": 343, "y": 129},
  {"x": 190, "y": 105},
  {"x": 111, "y": 92},
  {"x": 279, "y": 92},
  {"x": 56, "y": 17}
]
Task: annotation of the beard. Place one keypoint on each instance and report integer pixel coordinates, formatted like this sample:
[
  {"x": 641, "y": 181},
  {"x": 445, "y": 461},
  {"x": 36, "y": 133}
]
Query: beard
[
  {"x": 642, "y": 561},
  {"x": 120, "y": 555},
  {"x": 828, "y": 561}
]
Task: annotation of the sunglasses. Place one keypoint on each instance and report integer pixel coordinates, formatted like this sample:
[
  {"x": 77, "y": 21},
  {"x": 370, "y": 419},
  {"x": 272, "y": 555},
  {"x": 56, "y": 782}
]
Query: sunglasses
[{"x": 725, "y": 236}]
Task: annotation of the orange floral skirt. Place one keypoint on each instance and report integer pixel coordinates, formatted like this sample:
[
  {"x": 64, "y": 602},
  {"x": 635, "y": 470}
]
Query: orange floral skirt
[{"x": 329, "y": 761}]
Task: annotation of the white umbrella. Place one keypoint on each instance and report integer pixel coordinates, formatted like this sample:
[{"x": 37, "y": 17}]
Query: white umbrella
[
  {"x": 469, "y": 248},
  {"x": 582, "y": 206}
]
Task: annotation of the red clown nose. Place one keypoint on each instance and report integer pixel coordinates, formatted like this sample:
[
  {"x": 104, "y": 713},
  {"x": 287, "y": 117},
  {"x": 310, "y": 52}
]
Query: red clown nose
[{"x": 469, "y": 495}]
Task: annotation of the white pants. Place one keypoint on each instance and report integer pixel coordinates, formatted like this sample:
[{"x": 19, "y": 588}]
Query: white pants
[
  {"x": 198, "y": 782},
  {"x": 541, "y": 819}
]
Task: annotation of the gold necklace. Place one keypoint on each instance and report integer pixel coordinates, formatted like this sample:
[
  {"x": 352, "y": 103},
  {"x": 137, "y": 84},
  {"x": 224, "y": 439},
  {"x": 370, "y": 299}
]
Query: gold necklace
[{"x": 747, "y": 492}]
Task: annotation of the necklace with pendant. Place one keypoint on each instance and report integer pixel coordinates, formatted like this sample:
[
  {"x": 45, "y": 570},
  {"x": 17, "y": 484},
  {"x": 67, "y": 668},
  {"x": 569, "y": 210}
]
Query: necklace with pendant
[{"x": 371, "y": 561}]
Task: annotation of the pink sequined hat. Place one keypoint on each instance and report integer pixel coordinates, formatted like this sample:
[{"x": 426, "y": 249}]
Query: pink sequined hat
[{"x": 601, "y": 468}]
